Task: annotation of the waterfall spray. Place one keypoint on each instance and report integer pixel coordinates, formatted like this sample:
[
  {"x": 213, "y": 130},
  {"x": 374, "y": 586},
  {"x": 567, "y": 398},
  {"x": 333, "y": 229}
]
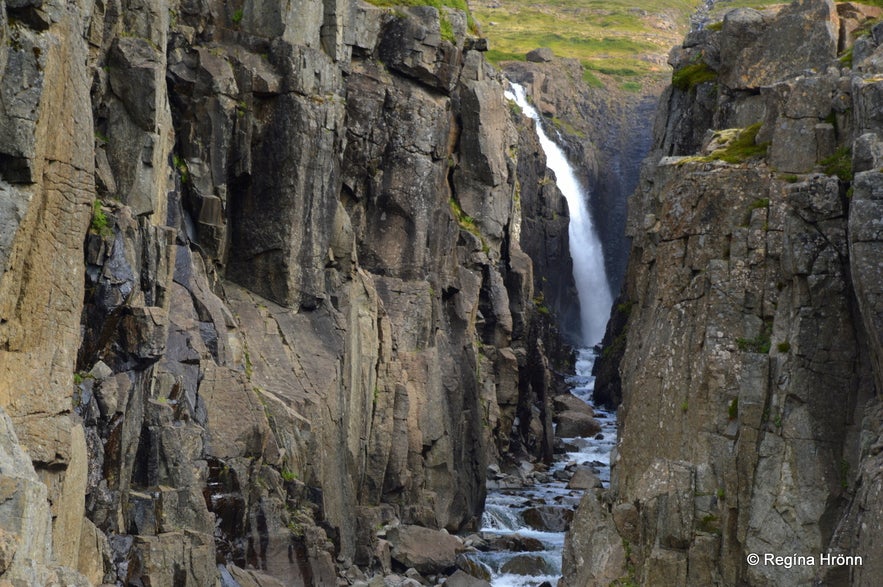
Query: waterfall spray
[{"x": 585, "y": 248}]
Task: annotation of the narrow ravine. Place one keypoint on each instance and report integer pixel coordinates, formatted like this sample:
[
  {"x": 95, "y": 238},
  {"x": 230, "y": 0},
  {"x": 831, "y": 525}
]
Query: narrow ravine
[
  {"x": 525, "y": 522},
  {"x": 526, "y": 515}
]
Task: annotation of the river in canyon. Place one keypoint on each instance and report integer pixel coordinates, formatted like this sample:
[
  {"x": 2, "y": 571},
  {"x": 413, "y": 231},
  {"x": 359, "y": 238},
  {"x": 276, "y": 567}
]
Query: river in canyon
[{"x": 527, "y": 521}]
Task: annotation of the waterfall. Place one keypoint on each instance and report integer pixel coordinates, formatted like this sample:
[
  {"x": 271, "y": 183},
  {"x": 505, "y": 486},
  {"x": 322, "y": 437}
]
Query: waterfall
[{"x": 585, "y": 248}]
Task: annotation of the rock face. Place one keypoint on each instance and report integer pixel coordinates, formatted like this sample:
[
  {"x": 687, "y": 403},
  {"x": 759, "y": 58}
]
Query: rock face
[
  {"x": 263, "y": 290},
  {"x": 750, "y": 328},
  {"x": 604, "y": 132}
]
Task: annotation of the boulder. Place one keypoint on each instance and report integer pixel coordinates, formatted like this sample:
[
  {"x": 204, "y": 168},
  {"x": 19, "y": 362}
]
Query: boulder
[
  {"x": 571, "y": 423},
  {"x": 527, "y": 564},
  {"x": 516, "y": 542},
  {"x": 583, "y": 478},
  {"x": 473, "y": 567},
  {"x": 540, "y": 55},
  {"x": 428, "y": 551},
  {"x": 568, "y": 401},
  {"x": 548, "y": 518},
  {"x": 461, "y": 579}
]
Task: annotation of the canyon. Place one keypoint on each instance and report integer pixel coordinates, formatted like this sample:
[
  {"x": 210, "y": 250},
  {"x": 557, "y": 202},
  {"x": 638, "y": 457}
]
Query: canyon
[{"x": 285, "y": 284}]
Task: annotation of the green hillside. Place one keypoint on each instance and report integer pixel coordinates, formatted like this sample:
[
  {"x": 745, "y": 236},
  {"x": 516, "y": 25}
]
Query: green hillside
[{"x": 625, "y": 41}]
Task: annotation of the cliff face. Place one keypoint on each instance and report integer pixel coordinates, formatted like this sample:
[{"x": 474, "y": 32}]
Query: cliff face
[
  {"x": 750, "y": 325},
  {"x": 263, "y": 289}
]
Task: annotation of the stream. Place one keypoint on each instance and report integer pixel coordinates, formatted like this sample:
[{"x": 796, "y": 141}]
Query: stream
[
  {"x": 531, "y": 519},
  {"x": 526, "y": 515}
]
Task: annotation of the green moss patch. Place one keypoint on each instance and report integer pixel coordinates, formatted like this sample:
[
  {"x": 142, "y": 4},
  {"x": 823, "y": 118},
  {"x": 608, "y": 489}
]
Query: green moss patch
[{"x": 690, "y": 76}]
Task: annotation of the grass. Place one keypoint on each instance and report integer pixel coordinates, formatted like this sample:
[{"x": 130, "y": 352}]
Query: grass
[
  {"x": 741, "y": 147},
  {"x": 181, "y": 166},
  {"x": 609, "y": 37},
  {"x": 447, "y": 30},
  {"x": 467, "y": 222},
  {"x": 839, "y": 164},
  {"x": 733, "y": 409},
  {"x": 759, "y": 203},
  {"x": 100, "y": 224},
  {"x": 690, "y": 76},
  {"x": 760, "y": 343}
]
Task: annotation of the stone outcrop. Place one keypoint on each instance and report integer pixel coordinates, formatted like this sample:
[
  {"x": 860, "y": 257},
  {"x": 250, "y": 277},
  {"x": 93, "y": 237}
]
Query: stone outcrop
[
  {"x": 263, "y": 291},
  {"x": 749, "y": 325}
]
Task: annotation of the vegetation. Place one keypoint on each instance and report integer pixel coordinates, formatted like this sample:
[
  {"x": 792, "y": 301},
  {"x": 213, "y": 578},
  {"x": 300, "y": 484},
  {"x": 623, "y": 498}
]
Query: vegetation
[
  {"x": 760, "y": 343},
  {"x": 447, "y": 30},
  {"x": 784, "y": 347},
  {"x": 181, "y": 167},
  {"x": 733, "y": 409},
  {"x": 540, "y": 302},
  {"x": 467, "y": 223},
  {"x": 759, "y": 203},
  {"x": 739, "y": 145},
  {"x": 743, "y": 147},
  {"x": 237, "y": 16},
  {"x": 690, "y": 76},
  {"x": 710, "y": 523},
  {"x": 100, "y": 224},
  {"x": 839, "y": 164},
  {"x": 611, "y": 38}
]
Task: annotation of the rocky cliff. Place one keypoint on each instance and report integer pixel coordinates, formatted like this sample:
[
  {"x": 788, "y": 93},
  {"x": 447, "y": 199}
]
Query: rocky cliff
[
  {"x": 748, "y": 338},
  {"x": 264, "y": 304}
]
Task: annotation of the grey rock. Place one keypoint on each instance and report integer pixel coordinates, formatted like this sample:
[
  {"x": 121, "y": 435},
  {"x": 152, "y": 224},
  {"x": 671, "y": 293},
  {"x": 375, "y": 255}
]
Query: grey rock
[
  {"x": 794, "y": 148},
  {"x": 412, "y": 44},
  {"x": 540, "y": 55},
  {"x": 758, "y": 50},
  {"x": 461, "y": 579}
]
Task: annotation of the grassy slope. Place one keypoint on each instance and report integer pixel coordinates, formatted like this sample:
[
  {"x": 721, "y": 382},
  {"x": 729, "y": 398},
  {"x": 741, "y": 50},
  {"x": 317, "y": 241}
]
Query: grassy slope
[{"x": 620, "y": 41}]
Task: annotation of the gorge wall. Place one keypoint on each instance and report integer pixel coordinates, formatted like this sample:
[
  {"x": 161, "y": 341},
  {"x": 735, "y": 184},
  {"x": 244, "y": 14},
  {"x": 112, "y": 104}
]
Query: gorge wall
[
  {"x": 266, "y": 300},
  {"x": 746, "y": 350}
]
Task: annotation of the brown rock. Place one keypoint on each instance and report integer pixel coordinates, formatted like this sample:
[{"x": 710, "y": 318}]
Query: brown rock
[
  {"x": 583, "y": 478},
  {"x": 571, "y": 424},
  {"x": 428, "y": 551},
  {"x": 548, "y": 518},
  {"x": 461, "y": 579},
  {"x": 569, "y": 402}
]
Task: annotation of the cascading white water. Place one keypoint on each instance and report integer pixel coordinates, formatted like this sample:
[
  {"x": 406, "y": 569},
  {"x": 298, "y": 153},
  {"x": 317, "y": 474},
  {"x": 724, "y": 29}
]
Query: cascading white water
[
  {"x": 585, "y": 247},
  {"x": 506, "y": 510}
]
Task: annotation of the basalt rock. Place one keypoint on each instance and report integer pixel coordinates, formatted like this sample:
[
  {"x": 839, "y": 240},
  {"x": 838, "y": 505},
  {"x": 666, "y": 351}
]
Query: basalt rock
[
  {"x": 750, "y": 327},
  {"x": 261, "y": 268}
]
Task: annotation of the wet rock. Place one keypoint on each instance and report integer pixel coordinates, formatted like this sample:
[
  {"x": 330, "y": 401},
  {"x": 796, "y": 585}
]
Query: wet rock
[
  {"x": 571, "y": 424},
  {"x": 527, "y": 564},
  {"x": 475, "y": 568},
  {"x": 548, "y": 518},
  {"x": 515, "y": 543}
]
